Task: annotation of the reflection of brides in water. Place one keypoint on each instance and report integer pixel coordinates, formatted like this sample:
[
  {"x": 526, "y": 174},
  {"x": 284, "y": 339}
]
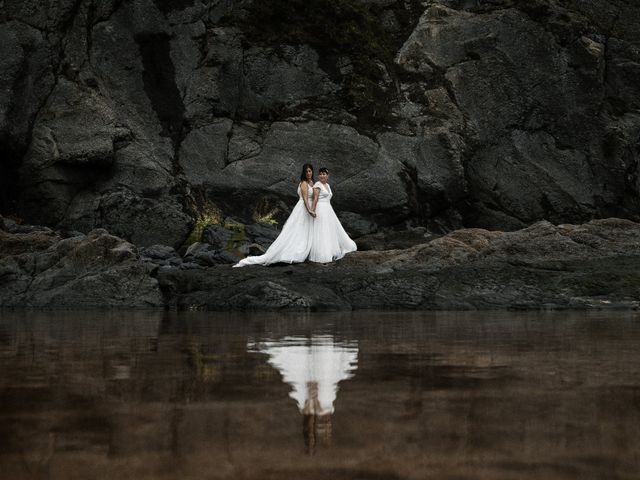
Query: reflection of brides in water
[{"x": 312, "y": 367}]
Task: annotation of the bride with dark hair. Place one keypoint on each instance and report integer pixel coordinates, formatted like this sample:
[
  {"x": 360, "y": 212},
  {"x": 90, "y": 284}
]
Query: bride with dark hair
[
  {"x": 329, "y": 241},
  {"x": 294, "y": 242}
]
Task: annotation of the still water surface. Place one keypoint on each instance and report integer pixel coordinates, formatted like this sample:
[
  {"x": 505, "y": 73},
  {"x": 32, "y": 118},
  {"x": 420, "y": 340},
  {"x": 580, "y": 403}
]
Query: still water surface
[{"x": 320, "y": 396}]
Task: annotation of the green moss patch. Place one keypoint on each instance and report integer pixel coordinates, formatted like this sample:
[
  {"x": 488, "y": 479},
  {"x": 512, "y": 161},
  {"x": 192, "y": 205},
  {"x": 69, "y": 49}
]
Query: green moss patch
[
  {"x": 239, "y": 234},
  {"x": 208, "y": 214}
]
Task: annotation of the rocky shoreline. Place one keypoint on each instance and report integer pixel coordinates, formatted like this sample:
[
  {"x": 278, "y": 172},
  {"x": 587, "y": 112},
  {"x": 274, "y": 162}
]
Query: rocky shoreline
[{"x": 544, "y": 266}]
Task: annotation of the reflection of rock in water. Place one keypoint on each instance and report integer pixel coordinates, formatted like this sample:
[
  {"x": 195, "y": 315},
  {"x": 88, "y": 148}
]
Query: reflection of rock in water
[{"x": 313, "y": 367}]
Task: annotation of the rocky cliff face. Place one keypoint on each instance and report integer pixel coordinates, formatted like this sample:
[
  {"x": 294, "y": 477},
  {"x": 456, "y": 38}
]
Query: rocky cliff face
[{"x": 141, "y": 116}]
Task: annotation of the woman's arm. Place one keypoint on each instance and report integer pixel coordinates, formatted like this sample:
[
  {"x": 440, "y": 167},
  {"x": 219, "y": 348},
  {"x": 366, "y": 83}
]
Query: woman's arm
[
  {"x": 304, "y": 189},
  {"x": 316, "y": 195}
]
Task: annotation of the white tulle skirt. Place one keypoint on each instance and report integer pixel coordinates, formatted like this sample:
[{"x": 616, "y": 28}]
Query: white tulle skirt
[
  {"x": 329, "y": 241},
  {"x": 292, "y": 245}
]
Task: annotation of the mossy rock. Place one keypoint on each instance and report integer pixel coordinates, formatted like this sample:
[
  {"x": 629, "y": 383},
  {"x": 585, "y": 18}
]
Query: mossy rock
[{"x": 239, "y": 235}]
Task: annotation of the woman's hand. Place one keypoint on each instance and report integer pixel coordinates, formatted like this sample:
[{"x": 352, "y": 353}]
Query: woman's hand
[{"x": 312, "y": 213}]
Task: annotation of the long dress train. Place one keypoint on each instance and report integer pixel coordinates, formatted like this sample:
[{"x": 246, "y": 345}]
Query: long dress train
[
  {"x": 294, "y": 242},
  {"x": 329, "y": 240}
]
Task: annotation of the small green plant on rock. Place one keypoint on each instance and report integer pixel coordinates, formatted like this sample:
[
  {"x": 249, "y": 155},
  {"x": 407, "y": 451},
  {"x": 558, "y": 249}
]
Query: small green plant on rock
[
  {"x": 239, "y": 235},
  {"x": 266, "y": 218},
  {"x": 210, "y": 214}
]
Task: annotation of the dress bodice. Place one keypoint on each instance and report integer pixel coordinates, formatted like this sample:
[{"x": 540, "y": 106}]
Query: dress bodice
[
  {"x": 325, "y": 192},
  {"x": 309, "y": 193}
]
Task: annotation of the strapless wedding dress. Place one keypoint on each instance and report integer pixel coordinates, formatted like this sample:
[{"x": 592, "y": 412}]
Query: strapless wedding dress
[
  {"x": 329, "y": 241},
  {"x": 294, "y": 242}
]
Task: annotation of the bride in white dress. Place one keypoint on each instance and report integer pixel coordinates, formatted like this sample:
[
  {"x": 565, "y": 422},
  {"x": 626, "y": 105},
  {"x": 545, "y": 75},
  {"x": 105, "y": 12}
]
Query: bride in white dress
[
  {"x": 313, "y": 366},
  {"x": 294, "y": 242},
  {"x": 329, "y": 241},
  {"x": 319, "y": 361}
]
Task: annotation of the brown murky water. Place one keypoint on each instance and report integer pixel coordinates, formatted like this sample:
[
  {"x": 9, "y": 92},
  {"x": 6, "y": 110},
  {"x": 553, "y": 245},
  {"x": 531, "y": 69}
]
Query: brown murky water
[{"x": 309, "y": 396}]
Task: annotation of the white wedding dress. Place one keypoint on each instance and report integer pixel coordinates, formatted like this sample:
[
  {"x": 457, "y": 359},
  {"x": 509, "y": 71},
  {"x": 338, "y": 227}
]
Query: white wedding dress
[
  {"x": 320, "y": 361},
  {"x": 294, "y": 242},
  {"x": 329, "y": 241}
]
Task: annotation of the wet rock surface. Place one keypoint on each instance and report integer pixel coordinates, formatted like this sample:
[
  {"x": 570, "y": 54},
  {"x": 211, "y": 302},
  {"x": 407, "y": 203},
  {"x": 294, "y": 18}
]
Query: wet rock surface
[{"x": 593, "y": 265}]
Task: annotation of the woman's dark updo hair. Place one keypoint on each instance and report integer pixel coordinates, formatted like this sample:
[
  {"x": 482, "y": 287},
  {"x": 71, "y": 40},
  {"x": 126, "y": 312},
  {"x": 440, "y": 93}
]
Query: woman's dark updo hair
[
  {"x": 303, "y": 176},
  {"x": 323, "y": 170}
]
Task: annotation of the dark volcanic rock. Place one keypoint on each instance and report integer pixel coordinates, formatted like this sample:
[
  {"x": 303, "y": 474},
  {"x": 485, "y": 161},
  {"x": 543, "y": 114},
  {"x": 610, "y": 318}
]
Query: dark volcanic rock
[
  {"x": 217, "y": 236},
  {"x": 143, "y": 220},
  {"x": 41, "y": 269},
  {"x": 594, "y": 265},
  {"x": 534, "y": 87},
  {"x": 138, "y": 116},
  {"x": 205, "y": 255},
  {"x": 159, "y": 252}
]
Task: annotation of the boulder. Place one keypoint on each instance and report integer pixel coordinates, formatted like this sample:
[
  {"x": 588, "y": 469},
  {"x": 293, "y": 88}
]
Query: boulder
[
  {"x": 100, "y": 270},
  {"x": 159, "y": 252},
  {"x": 217, "y": 236}
]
